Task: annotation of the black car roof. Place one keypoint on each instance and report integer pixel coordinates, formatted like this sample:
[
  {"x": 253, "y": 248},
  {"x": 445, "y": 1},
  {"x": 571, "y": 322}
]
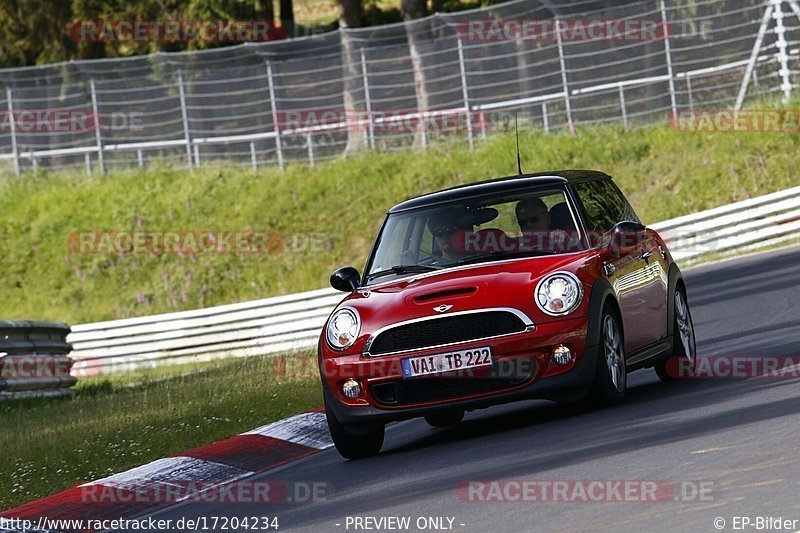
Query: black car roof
[{"x": 499, "y": 185}]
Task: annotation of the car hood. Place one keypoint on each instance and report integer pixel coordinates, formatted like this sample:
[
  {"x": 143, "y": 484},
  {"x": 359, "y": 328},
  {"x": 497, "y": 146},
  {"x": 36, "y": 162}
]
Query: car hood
[{"x": 509, "y": 283}]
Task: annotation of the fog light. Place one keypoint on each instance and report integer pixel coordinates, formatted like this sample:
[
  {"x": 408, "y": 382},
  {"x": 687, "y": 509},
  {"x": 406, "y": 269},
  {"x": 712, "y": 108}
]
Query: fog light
[
  {"x": 562, "y": 355},
  {"x": 351, "y": 388}
]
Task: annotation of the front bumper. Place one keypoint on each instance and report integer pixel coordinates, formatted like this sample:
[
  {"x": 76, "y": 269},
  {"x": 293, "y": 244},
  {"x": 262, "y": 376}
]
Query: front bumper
[{"x": 545, "y": 380}]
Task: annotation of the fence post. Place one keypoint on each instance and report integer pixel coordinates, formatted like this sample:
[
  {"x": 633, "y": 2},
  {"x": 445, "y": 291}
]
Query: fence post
[
  {"x": 87, "y": 158},
  {"x": 668, "y": 53},
  {"x": 140, "y": 157},
  {"x": 783, "y": 57},
  {"x": 367, "y": 100},
  {"x": 689, "y": 91},
  {"x": 253, "y": 159},
  {"x": 13, "y": 122},
  {"x": 748, "y": 72},
  {"x": 97, "y": 134},
  {"x": 465, "y": 91},
  {"x": 423, "y": 123},
  {"x": 564, "y": 83},
  {"x": 622, "y": 106},
  {"x": 545, "y": 118},
  {"x": 275, "y": 122},
  {"x": 185, "y": 116},
  {"x": 310, "y": 147}
]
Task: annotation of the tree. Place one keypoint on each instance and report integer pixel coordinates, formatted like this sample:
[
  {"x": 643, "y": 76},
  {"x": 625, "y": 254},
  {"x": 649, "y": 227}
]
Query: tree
[
  {"x": 350, "y": 13},
  {"x": 32, "y": 31},
  {"x": 350, "y": 17},
  {"x": 411, "y": 10},
  {"x": 45, "y": 31},
  {"x": 287, "y": 17}
]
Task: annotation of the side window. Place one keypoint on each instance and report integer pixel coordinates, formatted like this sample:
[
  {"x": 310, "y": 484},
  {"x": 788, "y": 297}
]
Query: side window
[
  {"x": 605, "y": 205},
  {"x": 627, "y": 211}
]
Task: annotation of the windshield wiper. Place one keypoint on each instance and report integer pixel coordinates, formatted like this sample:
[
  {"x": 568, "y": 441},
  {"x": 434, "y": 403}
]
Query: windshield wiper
[
  {"x": 402, "y": 269},
  {"x": 477, "y": 258}
]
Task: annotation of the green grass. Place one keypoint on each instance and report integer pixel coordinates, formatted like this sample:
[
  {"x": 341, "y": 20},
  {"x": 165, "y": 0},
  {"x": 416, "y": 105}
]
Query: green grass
[
  {"x": 114, "y": 424},
  {"x": 665, "y": 174}
]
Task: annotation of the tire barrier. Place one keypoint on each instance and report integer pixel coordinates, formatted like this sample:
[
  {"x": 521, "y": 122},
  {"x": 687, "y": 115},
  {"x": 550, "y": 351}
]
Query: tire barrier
[{"x": 34, "y": 359}]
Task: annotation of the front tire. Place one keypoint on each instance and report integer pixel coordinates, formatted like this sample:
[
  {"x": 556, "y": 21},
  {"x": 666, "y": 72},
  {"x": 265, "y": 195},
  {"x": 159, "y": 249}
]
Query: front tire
[
  {"x": 354, "y": 444},
  {"x": 683, "y": 342},
  {"x": 611, "y": 376}
]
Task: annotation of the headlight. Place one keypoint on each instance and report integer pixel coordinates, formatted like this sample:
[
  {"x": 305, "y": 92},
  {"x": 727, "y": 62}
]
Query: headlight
[
  {"x": 343, "y": 328},
  {"x": 559, "y": 294}
]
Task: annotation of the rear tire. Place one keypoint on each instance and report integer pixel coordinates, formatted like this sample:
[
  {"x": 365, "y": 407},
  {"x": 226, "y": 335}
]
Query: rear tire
[
  {"x": 684, "y": 347},
  {"x": 354, "y": 444},
  {"x": 449, "y": 418},
  {"x": 611, "y": 376}
]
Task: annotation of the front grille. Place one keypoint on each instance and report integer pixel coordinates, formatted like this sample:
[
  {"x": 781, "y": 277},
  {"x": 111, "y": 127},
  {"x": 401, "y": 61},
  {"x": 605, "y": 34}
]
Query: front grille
[
  {"x": 446, "y": 330},
  {"x": 424, "y": 390}
]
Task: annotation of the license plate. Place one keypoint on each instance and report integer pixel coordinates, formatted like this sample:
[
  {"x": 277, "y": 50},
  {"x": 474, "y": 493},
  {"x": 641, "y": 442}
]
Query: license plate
[{"x": 446, "y": 362}]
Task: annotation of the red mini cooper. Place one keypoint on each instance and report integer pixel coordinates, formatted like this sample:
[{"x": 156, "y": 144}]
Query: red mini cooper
[{"x": 534, "y": 286}]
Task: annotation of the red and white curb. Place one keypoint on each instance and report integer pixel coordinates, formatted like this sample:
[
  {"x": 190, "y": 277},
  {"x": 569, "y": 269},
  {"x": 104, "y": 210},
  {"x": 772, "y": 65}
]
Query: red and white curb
[{"x": 213, "y": 465}]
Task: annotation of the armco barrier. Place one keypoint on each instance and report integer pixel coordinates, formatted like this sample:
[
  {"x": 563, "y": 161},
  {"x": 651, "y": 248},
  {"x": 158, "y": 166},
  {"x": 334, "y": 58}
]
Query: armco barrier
[
  {"x": 259, "y": 327},
  {"x": 34, "y": 359},
  {"x": 293, "y": 322},
  {"x": 750, "y": 224}
]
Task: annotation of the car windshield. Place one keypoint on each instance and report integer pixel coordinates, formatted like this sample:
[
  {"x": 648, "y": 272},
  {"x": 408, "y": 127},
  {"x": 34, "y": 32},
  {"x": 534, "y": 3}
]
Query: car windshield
[{"x": 490, "y": 228}]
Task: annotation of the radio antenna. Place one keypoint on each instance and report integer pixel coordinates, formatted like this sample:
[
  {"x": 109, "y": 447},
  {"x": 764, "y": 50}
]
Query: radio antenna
[{"x": 516, "y": 131}]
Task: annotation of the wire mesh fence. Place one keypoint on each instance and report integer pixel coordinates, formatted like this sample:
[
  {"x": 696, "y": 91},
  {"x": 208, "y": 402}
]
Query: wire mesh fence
[{"x": 446, "y": 78}]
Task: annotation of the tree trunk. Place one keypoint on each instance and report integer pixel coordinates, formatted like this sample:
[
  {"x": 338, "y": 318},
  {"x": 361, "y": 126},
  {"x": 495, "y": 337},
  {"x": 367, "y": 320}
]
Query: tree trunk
[
  {"x": 350, "y": 17},
  {"x": 268, "y": 10},
  {"x": 287, "y": 18},
  {"x": 411, "y": 10}
]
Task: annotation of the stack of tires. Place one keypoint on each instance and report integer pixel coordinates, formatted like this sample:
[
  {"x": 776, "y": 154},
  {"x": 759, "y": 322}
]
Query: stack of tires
[{"x": 34, "y": 359}]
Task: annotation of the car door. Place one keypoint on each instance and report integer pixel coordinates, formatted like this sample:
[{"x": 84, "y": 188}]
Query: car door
[{"x": 633, "y": 272}]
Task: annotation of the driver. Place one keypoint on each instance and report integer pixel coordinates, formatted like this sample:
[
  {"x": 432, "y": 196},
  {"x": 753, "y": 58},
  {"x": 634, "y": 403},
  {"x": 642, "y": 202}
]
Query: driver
[{"x": 447, "y": 226}]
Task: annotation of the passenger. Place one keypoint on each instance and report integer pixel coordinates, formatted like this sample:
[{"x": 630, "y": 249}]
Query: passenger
[
  {"x": 532, "y": 215},
  {"x": 534, "y": 222}
]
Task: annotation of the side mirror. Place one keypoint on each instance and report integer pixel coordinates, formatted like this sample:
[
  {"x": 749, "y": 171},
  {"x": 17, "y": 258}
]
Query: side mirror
[
  {"x": 346, "y": 279},
  {"x": 625, "y": 235}
]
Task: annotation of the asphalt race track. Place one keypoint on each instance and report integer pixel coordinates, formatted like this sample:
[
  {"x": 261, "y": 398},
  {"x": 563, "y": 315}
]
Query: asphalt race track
[{"x": 739, "y": 437}]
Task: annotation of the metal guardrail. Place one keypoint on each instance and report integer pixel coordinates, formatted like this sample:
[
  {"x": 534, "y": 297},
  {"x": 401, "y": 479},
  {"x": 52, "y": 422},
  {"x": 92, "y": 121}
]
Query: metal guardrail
[
  {"x": 34, "y": 359},
  {"x": 259, "y": 327},
  {"x": 747, "y": 225},
  {"x": 293, "y": 322}
]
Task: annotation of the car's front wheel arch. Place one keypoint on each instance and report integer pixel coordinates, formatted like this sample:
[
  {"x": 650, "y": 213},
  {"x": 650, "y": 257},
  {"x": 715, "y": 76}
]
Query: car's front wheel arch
[{"x": 601, "y": 297}]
